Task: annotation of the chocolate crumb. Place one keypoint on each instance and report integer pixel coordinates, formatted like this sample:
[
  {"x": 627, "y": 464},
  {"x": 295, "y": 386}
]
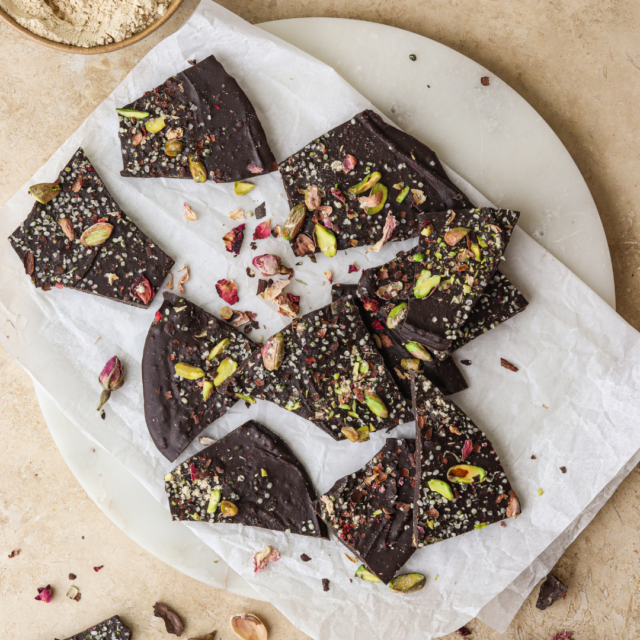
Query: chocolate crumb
[
  {"x": 72, "y": 576},
  {"x": 466, "y": 363},
  {"x": 103, "y": 415},
  {"x": 192, "y": 62},
  {"x": 262, "y": 286},
  {"x": 305, "y": 558},
  {"x": 325, "y": 584},
  {"x": 533, "y": 458},
  {"x": 563, "y": 469},
  {"x": 551, "y": 590},
  {"x": 253, "y": 246},
  {"x": 78, "y": 596},
  {"x": 507, "y": 365},
  {"x": 463, "y": 631},
  {"x": 16, "y": 552},
  {"x": 485, "y": 81},
  {"x": 261, "y": 211}
]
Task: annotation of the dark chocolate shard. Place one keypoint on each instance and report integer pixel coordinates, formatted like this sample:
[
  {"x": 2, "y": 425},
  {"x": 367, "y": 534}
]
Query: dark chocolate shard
[
  {"x": 445, "y": 375},
  {"x": 111, "y": 628},
  {"x": 250, "y": 477},
  {"x": 460, "y": 252},
  {"x": 376, "y": 147},
  {"x": 52, "y": 234},
  {"x": 551, "y": 590},
  {"x": 329, "y": 370},
  {"x": 261, "y": 211},
  {"x": 463, "y": 485},
  {"x": 177, "y": 408},
  {"x": 205, "y": 111},
  {"x": 370, "y": 510}
]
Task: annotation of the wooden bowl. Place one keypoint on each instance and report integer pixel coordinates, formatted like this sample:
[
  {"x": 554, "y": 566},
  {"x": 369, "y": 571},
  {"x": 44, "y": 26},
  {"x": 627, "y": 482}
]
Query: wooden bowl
[{"x": 106, "y": 48}]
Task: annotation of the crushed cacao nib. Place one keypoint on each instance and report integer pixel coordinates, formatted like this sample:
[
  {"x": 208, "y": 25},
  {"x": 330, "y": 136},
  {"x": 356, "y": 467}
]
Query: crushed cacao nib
[
  {"x": 356, "y": 153},
  {"x": 330, "y": 374},
  {"x": 325, "y": 584},
  {"x": 250, "y": 477},
  {"x": 367, "y": 509},
  {"x": 463, "y": 485},
  {"x": 208, "y": 115},
  {"x": 110, "y": 268},
  {"x": 305, "y": 558},
  {"x": 185, "y": 336}
]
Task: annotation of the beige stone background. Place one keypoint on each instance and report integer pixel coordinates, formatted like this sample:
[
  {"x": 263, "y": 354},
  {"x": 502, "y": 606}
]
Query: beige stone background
[{"x": 577, "y": 62}]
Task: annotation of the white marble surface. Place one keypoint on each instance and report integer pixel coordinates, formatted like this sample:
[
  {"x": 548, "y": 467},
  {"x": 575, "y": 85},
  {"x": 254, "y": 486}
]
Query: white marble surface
[{"x": 489, "y": 135}]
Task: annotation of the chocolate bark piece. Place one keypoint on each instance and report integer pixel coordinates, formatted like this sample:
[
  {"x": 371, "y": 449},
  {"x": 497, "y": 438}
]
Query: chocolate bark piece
[
  {"x": 254, "y": 470},
  {"x": 105, "y": 630},
  {"x": 403, "y": 161},
  {"x": 109, "y": 269},
  {"x": 370, "y": 510},
  {"x": 450, "y": 449},
  {"x": 329, "y": 366},
  {"x": 206, "y": 110},
  {"x": 445, "y": 375},
  {"x": 551, "y": 590},
  {"x": 460, "y": 251},
  {"x": 175, "y": 407}
]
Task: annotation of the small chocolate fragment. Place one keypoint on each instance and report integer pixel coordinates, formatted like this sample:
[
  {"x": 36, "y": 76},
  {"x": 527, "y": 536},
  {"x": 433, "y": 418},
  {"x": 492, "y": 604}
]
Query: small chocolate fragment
[
  {"x": 261, "y": 211},
  {"x": 210, "y": 115},
  {"x": 72, "y": 576},
  {"x": 172, "y": 622},
  {"x": 249, "y": 477},
  {"x": 551, "y": 590},
  {"x": 563, "y": 469},
  {"x": 325, "y": 584},
  {"x": 466, "y": 363},
  {"x": 507, "y": 365},
  {"x": 111, "y": 628},
  {"x": 305, "y": 558},
  {"x": 14, "y": 553},
  {"x": 484, "y": 81}
]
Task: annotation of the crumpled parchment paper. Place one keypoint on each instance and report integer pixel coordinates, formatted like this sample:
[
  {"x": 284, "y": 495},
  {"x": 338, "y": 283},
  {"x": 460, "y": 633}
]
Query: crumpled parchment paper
[{"x": 573, "y": 402}]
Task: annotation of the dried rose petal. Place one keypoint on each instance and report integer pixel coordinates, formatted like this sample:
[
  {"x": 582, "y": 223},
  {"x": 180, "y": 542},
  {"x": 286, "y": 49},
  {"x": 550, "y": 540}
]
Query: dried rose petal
[
  {"x": 193, "y": 472},
  {"x": 264, "y": 557},
  {"x": 254, "y": 168},
  {"x": 274, "y": 290},
  {"x": 267, "y": 264},
  {"x": 288, "y": 305},
  {"x": 96, "y": 569},
  {"x": 263, "y": 230},
  {"x": 329, "y": 276},
  {"x": 418, "y": 196},
  {"x": 237, "y": 214},
  {"x": 336, "y": 193},
  {"x": 228, "y": 291},
  {"x": 184, "y": 278},
  {"x": 143, "y": 290},
  {"x": 233, "y": 239},
  {"x": 239, "y": 319},
  {"x": 389, "y": 226},
  {"x": 370, "y": 304},
  {"x": 172, "y": 623},
  {"x": 564, "y": 635},
  {"x": 170, "y": 283},
  {"x": 189, "y": 213},
  {"x": 377, "y": 325},
  {"x": 44, "y": 594},
  {"x": 157, "y": 317},
  {"x": 349, "y": 163},
  {"x": 353, "y": 268},
  {"x": 370, "y": 201},
  {"x": 463, "y": 631},
  {"x": 513, "y": 507},
  {"x": 467, "y": 449}
]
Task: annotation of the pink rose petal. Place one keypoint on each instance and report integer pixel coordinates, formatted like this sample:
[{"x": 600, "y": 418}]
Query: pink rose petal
[
  {"x": 389, "y": 226},
  {"x": 349, "y": 163},
  {"x": 467, "y": 449},
  {"x": 254, "y": 168},
  {"x": 377, "y": 325},
  {"x": 263, "y": 230},
  {"x": 370, "y": 304},
  {"x": 96, "y": 569},
  {"x": 228, "y": 291},
  {"x": 192, "y": 471},
  {"x": 233, "y": 239},
  {"x": 264, "y": 557},
  {"x": 353, "y": 268}
]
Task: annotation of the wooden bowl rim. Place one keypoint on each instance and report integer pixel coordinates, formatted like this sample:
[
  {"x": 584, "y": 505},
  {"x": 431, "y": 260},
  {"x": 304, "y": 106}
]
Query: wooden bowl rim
[{"x": 105, "y": 48}]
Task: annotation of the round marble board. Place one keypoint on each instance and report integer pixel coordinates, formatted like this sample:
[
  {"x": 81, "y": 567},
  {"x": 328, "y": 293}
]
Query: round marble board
[{"x": 487, "y": 134}]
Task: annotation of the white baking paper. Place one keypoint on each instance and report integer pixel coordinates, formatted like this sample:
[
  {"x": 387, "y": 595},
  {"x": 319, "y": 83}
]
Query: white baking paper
[{"x": 573, "y": 403}]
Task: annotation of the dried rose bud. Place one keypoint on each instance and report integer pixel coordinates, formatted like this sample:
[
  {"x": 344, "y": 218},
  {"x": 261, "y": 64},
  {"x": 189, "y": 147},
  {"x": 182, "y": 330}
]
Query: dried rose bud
[
  {"x": 143, "y": 290},
  {"x": 228, "y": 291},
  {"x": 273, "y": 352},
  {"x": 267, "y": 264},
  {"x": 44, "y": 594},
  {"x": 111, "y": 378},
  {"x": 233, "y": 239},
  {"x": 263, "y": 230}
]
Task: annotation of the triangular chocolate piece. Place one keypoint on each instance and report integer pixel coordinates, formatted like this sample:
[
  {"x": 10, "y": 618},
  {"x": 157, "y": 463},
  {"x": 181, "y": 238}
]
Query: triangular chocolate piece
[
  {"x": 126, "y": 266},
  {"x": 107, "y": 629},
  {"x": 249, "y": 477},
  {"x": 187, "y": 355},
  {"x": 460, "y": 252},
  {"x": 463, "y": 485},
  {"x": 200, "y": 113},
  {"x": 370, "y": 510},
  {"x": 399, "y": 161},
  {"x": 445, "y": 375},
  {"x": 331, "y": 374}
]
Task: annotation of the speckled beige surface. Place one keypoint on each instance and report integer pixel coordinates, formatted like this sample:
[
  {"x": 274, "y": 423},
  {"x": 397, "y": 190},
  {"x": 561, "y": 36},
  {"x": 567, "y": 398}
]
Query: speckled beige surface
[{"x": 577, "y": 62}]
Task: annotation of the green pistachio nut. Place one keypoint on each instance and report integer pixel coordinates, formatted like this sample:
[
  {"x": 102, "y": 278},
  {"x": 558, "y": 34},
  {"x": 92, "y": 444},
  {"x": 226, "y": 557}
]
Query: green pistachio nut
[
  {"x": 410, "y": 364},
  {"x": 273, "y": 352},
  {"x": 207, "y": 388},
  {"x": 379, "y": 187},
  {"x": 155, "y": 125},
  {"x": 292, "y": 406},
  {"x": 418, "y": 257},
  {"x": 453, "y": 236},
  {"x": 326, "y": 240},
  {"x": 427, "y": 231},
  {"x": 366, "y": 183},
  {"x": 96, "y": 234},
  {"x": 228, "y": 509},
  {"x": 242, "y": 188},
  {"x": 364, "y": 574},
  {"x": 482, "y": 242},
  {"x": 350, "y": 434},
  {"x": 408, "y": 583},
  {"x": 441, "y": 487},
  {"x": 173, "y": 148},
  {"x": 132, "y": 113},
  {"x": 425, "y": 284},
  {"x": 198, "y": 170},
  {"x": 44, "y": 192},
  {"x": 403, "y": 194},
  {"x": 363, "y": 434},
  {"x": 466, "y": 474},
  {"x": 221, "y": 347},
  {"x": 214, "y": 501},
  {"x": 188, "y": 371},
  {"x": 397, "y": 315},
  {"x": 263, "y": 473},
  {"x": 375, "y": 404},
  {"x": 417, "y": 350},
  {"x": 227, "y": 368},
  {"x": 475, "y": 249},
  {"x": 294, "y": 222},
  {"x": 248, "y": 399}
]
